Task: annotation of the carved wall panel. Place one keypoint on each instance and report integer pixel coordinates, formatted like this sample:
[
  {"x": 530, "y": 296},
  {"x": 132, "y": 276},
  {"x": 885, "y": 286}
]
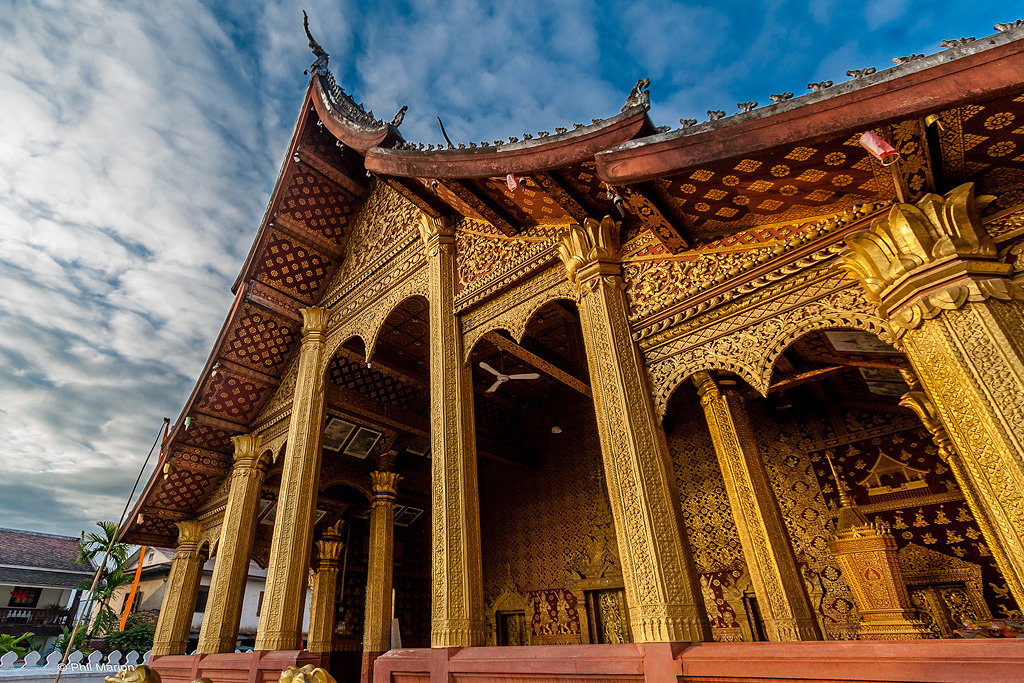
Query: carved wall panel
[
  {"x": 488, "y": 260},
  {"x": 915, "y": 492},
  {"x": 537, "y": 521},
  {"x": 386, "y": 220},
  {"x": 655, "y": 280}
]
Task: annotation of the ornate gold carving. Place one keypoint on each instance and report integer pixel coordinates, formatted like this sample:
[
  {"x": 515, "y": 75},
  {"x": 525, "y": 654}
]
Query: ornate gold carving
[
  {"x": 924, "y": 259},
  {"x": 172, "y": 627},
  {"x": 777, "y": 581},
  {"x": 457, "y": 599},
  {"x": 866, "y": 551},
  {"x": 932, "y": 269},
  {"x": 219, "y": 631},
  {"x": 142, "y": 673},
  {"x": 746, "y": 339},
  {"x": 293, "y": 526},
  {"x": 377, "y": 625},
  {"x": 582, "y": 246},
  {"x": 513, "y": 311},
  {"x": 326, "y": 563},
  {"x": 917, "y": 400},
  {"x": 510, "y": 603},
  {"x": 661, "y": 584}
]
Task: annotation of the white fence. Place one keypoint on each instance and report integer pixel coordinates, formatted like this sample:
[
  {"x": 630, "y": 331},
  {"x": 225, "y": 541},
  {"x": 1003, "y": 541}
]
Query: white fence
[{"x": 81, "y": 669}]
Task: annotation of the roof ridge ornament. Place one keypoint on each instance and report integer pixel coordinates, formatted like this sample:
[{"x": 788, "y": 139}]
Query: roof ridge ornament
[
  {"x": 638, "y": 96},
  {"x": 319, "y": 65}
]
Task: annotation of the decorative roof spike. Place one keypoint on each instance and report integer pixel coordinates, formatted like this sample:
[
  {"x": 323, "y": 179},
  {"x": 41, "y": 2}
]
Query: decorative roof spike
[
  {"x": 543, "y": 133},
  {"x": 596, "y": 120},
  {"x": 472, "y": 145},
  {"x": 1003, "y": 28},
  {"x": 904, "y": 60},
  {"x": 319, "y": 65},
  {"x": 781, "y": 97},
  {"x": 821, "y": 85},
  {"x": 499, "y": 142},
  {"x": 715, "y": 114},
  {"x": 957, "y": 42},
  {"x": 861, "y": 73},
  {"x": 662, "y": 129},
  {"x": 638, "y": 96},
  {"x": 484, "y": 143},
  {"x": 527, "y": 136},
  {"x": 686, "y": 123},
  {"x": 746, "y": 106},
  {"x": 559, "y": 130},
  {"x": 399, "y": 117},
  {"x": 462, "y": 145},
  {"x": 513, "y": 138}
]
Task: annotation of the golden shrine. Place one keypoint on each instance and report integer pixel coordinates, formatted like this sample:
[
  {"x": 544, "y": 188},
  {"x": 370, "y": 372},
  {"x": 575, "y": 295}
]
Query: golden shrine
[{"x": 666, "y": 402}]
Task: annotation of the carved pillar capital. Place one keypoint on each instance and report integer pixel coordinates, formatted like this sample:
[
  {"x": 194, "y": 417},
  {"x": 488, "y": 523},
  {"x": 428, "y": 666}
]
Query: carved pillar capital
[
  {"x": 189, "y": 536},
  {"x": 590, "y": 250},
  {"x": 314, "y": 323},
  {"x": 930, "y": 257},
  {"x": 328, "y": 548},
  {"x": 385, "y": 485},
  {"x": 247, "y": 455},
  {"x": 436, "y": 231}
]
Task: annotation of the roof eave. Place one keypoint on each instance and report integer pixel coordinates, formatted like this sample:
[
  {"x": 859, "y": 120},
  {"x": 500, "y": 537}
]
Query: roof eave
[
  {"x": 985, "y": 68},
  {"x": 535, "y": 155}
]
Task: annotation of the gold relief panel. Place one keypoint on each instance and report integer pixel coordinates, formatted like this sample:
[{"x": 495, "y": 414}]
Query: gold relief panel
[{"x": 537, "y": 522}]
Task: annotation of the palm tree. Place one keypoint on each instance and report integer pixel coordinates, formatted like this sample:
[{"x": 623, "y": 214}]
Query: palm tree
[{"x": 92, "y": 549}]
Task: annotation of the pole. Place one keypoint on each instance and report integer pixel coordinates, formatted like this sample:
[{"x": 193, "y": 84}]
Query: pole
[{"x": 135, "y": 587}]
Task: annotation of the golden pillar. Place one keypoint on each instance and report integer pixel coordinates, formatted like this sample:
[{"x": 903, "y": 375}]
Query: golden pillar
[
  {"x": 917, "y": 400},
  {"x": 457, "y": 601},
  {"x": 779, "y": 586},
  {"x": 953, "y": 309},
  {"x": 866, "y": 553},
  {"x": 175, "y": 620},
  {"x": 219, "y": 632},
  {"x": 662, "y": 589},
  {"x": 292, "y": 542},
  {"x": 377, "y": 627},
  {"x": 326, "y": 563}
]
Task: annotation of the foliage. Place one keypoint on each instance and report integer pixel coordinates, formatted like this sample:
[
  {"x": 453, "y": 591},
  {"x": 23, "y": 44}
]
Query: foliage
[
  {"x": 92, "y": 548},
  {"x": 65, "y": 633},
  {"x": 16, "y": 644},
  {"x": 137, "y": 635}
]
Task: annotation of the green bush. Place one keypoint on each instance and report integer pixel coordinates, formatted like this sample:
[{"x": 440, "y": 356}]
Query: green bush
[
  {"x": 137, "y": 635},
  {"x": 19, "y": 645}
]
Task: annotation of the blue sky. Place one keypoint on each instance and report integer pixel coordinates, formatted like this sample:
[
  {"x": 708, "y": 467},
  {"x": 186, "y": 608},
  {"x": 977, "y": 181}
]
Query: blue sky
[{"x": 139, "y": 143}]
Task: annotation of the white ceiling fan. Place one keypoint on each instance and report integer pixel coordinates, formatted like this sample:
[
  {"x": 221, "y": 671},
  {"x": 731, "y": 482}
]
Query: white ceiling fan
[{"x": 502, "y": 377}]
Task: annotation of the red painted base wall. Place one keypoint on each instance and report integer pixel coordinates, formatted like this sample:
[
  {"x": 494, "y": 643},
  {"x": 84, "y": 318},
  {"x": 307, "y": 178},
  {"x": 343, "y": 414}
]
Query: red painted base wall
[{"x": 934, "y": 661}]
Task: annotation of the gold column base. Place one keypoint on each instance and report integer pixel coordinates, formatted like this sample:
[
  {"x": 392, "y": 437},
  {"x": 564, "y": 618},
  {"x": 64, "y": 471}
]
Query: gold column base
[
  {"x": 457, "y": 633},
  {"x": 277, "y": 641},
  {"x": 668, "y": 624},
  {"x": 892, "y": 624}
]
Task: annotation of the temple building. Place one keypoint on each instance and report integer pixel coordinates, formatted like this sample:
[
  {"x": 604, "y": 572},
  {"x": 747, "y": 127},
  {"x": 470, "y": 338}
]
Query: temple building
[{"x": 738, "y": 400}]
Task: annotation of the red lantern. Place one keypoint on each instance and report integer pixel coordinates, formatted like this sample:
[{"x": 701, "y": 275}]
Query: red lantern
[{"x": 879, "y": 148}]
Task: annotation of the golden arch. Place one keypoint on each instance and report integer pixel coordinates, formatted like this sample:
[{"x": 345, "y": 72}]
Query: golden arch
[
  {"x": 516, "y": 319},
  {"x": 758, "y": 375}
]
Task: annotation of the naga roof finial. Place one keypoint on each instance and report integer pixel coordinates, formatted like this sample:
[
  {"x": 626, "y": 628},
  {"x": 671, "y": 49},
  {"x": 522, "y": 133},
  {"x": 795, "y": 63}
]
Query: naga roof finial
[
  {"x": 638, "y": 96},
  {"x": 319, "y": 66}
]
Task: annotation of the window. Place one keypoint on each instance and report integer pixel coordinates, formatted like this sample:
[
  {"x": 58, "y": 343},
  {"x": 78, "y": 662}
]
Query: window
[
  {"x": 24, "y": 597},
  {"x": 259, "y": 604},
  {"x": 204, "y": 593}
]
